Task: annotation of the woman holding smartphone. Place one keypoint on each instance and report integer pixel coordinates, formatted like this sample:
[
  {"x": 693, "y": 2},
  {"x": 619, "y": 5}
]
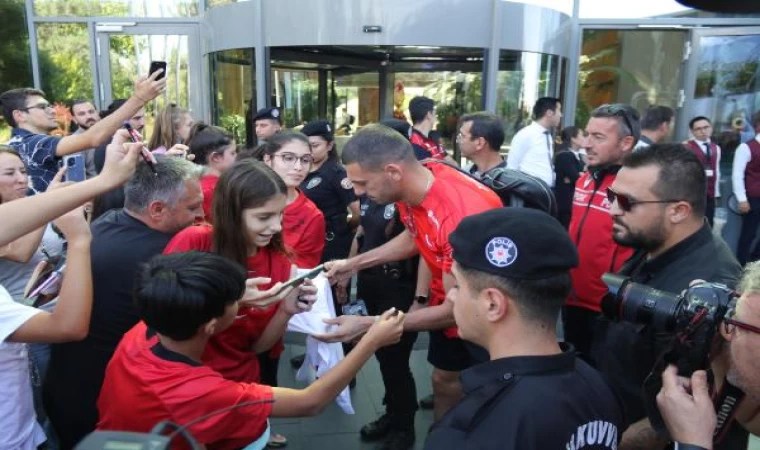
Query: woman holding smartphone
[
  {"x": 171, "y": 130},
  {"x": 247, "y": 209}
]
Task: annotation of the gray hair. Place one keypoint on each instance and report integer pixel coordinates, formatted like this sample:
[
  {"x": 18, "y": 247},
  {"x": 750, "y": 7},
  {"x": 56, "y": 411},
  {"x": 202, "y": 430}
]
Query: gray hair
[
  {"x": 626, "y": 117},
  {"x": 167, "y": 185},
  {"x": 750, "y": 281}
]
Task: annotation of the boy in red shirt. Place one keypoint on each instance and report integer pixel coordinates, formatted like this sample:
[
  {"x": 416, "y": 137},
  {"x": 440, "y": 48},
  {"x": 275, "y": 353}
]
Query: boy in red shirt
[{"x": 156, "y": 373}]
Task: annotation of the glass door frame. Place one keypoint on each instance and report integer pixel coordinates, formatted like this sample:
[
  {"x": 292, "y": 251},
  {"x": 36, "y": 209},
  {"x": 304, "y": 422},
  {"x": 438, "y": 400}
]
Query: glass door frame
[
  {"x": 102, "y": 44},
  {"x": 692, "y": 66}
]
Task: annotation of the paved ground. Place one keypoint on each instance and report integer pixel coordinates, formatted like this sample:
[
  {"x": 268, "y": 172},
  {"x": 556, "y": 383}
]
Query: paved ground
[{"x": 334, "y": 429}]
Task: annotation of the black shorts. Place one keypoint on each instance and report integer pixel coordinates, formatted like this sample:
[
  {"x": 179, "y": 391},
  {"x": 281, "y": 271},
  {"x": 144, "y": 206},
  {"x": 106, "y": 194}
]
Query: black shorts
[{"x": 448, "y": 354}]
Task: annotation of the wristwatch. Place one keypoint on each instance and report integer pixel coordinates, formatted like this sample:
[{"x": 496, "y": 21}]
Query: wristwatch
[
  {"x": 421, "y": 299},
  {"x": 680, "y": 446}
]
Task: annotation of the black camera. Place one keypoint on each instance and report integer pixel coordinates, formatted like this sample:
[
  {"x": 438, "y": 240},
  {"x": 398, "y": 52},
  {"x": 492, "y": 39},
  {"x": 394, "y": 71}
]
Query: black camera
[{"x": 692, "y": 317}]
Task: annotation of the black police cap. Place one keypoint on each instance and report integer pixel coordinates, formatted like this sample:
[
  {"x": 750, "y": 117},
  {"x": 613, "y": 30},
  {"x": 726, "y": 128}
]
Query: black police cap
[
  {"x": 318, "y": 128},
  {"x": 517, "y": 243},
  {"x": 268, "y": 113}
]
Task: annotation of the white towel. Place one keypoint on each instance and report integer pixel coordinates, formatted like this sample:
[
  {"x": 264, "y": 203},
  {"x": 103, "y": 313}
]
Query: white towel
[{"x": 320, "y": 356}]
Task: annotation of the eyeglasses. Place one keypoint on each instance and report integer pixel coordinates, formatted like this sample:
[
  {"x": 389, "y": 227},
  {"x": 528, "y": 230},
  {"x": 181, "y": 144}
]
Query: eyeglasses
[
  {"x": 626, "y": 203},
  {"x": 42, "y": 106},
  {"x": 291, "y": 158},
  {"x": 618, "y": 110},
  {"x": 730, "y": 323}
]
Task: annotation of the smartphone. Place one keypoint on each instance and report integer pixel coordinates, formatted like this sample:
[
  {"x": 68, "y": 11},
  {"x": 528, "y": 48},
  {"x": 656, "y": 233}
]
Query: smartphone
[
  {"x": 156, "y": 65},
  {"x": 75, "y": 170},
  {"x": 297, "y": 281}
]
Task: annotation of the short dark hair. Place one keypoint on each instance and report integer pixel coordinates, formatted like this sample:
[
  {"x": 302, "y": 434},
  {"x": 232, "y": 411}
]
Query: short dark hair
[
  {"x": 116, "y": 104},
  {"x": 568, "y": 133},
  {"x": 681, "y": 177},
  {"x": 697, "y": 119},
  {"x": 538, "y": 301},
  {"x": 544, "y": 105},
  {"x": 419, "y": 107},
  {"x": 205, "y": 140},
  {"x": 626, "y": 116},
  {"x": 486, "y": 125},
  {"x": 15, "y": 99},
  {"x": 79, "y": 101},
  {"x": 176, "y": 294},
  {"x": 654, "y": 116},
  {"x": 376, "y": 145}
]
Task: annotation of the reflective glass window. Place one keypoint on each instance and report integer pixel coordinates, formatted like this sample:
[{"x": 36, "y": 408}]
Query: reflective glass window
[
  {"x": 233, "y": 79},
  {"x": 116, "y": 8}
]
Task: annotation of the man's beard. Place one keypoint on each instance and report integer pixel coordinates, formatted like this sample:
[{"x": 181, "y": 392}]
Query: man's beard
[{"x": 648, "y": 240}]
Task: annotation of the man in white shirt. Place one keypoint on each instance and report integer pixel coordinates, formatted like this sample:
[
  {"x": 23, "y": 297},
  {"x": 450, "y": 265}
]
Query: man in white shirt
[
  {"x": 745, "y": 178},
  {"x": 532, "y": 148},
  {"x": 708, "y": 154}
]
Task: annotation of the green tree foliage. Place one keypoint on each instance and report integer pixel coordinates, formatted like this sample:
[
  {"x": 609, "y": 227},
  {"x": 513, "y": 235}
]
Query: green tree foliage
[{"x": 15, "y": 59}]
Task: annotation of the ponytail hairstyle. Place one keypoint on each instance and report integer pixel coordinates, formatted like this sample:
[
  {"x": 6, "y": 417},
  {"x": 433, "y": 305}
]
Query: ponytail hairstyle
[
  {"x": 165, "y": 128},
  {"x": 205, "y": 140},
  {"x": 247, "y": 184}
]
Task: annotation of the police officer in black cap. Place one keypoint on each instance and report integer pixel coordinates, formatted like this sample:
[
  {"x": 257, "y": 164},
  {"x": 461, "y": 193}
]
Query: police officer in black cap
[
  {"x": 263, "y": 125},
  {"x": 328, "y": 186},
  {"x": 512, "y": 272}
]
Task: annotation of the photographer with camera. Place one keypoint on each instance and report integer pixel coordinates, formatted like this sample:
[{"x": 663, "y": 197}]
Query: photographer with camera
[
  {"x": 685, "y": 404},
  {"x": 658, "y": 206}
]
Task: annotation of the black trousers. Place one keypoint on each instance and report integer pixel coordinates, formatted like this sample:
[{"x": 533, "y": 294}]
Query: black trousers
[
  {"x": 579, "y": 324},
  {"x": 710, "y": 210},
  {"x": 268, "y": 369},
  {"x": 380, "y": 293},
  {"x": 750, "y": 223}
]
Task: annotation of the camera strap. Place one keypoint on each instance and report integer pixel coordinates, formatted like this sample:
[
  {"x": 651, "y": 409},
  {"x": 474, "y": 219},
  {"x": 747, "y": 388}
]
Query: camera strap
[{"x": 726, "y": 405}]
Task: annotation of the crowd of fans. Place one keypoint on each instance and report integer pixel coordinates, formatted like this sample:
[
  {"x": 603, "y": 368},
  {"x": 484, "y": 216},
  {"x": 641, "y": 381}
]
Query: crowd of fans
[{"x": 156, "y": 288}]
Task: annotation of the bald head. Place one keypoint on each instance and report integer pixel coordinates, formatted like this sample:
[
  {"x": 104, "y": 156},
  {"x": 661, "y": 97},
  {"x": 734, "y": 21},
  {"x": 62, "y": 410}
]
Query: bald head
[{"x": 375, "y": 146}]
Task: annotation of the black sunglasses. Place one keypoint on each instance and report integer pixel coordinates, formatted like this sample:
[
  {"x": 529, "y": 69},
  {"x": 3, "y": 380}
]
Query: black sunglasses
[
  {"x": 626, "y": 204},
  {"x": 618, "y": 110}
]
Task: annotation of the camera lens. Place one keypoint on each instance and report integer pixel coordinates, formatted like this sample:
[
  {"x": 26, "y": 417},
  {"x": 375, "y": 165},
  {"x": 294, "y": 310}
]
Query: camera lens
[{"x": 632, "y": 302}]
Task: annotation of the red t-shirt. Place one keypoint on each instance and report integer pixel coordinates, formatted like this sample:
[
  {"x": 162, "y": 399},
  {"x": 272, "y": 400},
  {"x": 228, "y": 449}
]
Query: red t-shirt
[
  {"x": 452, "y": 197},
  {"x": 433, "y": 148},
  {"x": 303, "y": 230},
  {"x": 231, "y": 351},
  {"x": 145, "y": 383},
  {"x": 208, "y": 184}
]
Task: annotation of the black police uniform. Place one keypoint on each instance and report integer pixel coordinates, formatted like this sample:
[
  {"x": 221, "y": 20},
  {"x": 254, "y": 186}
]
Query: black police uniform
[
  {"x": 384, "y": 287},
  {"x": 331, "y": 190},
  {"x": 524, "y": 402},
  {"x": 531, "y": 402}
]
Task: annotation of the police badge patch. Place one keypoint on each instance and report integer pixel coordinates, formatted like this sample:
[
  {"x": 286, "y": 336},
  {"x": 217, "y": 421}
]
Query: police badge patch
[
  {"x": 501, "y": 251},
  {"x": 346, "y": 184},
  {"x": 314, "y": 182}
]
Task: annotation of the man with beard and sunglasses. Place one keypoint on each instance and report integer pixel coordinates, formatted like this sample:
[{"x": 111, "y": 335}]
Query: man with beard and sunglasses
[{"x": 657, "y": 203}]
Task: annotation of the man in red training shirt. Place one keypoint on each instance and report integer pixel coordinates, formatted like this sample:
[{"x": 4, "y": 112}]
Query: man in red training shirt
[{"x": 432, "y": 199}]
